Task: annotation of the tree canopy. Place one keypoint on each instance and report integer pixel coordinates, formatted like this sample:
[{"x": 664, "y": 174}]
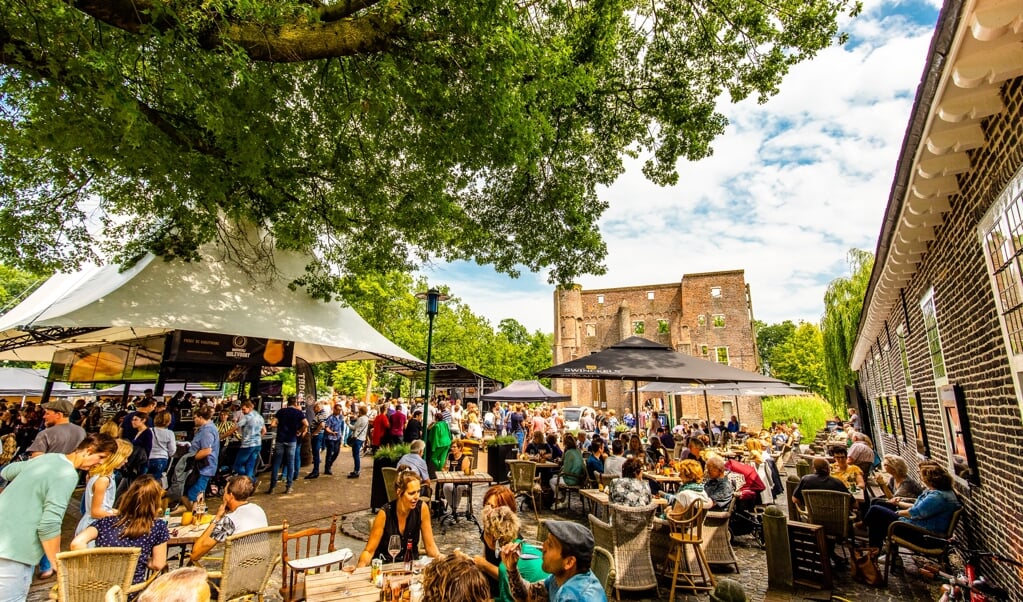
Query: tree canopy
[
  {"x": 843, "y": 303},
  {"x": 371, "y": 134}
]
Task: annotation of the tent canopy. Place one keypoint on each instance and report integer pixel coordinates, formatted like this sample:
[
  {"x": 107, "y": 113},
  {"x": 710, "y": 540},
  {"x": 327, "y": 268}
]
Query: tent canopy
[
  {"x": 639, "y": 359},
  {"x": 447, "y": 374},
  {"x": 102, "y": 304},
  {"x": 750, "y": 389},
  {"x": 29, "y": 382},
  {"x": 526, "y": 390}
]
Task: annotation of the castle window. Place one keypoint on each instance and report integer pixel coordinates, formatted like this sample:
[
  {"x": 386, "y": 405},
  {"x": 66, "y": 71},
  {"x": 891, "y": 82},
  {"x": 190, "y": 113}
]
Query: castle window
[
  {"x": 704, "y": 350},
  {"x": 719, "y": 320},
  {"x": 600, "y": 299},
  {"x": 715, "y": 292},
  {"x": 591, "y": 330},
  {"x": 662, "y": 327},
  {"x": 638, "y": 327},
  {"x": 701, "y": 320},
  {"x": 721, "y": 355},
  {"x": 650, "y": 295}
]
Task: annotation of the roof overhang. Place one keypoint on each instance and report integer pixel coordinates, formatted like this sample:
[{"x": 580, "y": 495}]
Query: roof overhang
[{"x": 977, "y": 46}]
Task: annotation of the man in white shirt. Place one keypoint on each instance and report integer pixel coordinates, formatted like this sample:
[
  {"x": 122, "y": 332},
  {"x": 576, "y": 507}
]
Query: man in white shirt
[{"x": 236, "y": 515}]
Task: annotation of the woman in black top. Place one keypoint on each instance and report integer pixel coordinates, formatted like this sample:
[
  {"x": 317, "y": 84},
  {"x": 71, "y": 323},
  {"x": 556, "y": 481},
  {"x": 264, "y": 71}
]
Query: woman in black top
[{"x": 407, "y": 516}]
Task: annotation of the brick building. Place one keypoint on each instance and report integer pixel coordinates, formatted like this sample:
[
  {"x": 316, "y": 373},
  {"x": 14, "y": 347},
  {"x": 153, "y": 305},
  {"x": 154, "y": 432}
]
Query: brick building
[
  {"x": 939, "y": 352},
  {"x": 708, "y": 315}
]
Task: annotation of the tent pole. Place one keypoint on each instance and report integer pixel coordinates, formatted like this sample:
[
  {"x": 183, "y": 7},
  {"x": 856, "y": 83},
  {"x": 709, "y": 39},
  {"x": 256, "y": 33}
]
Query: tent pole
[
  {"x": 706, "y": 406},
  {"x": 736, "y": 408},
  {"x": 635, "y": 404}
]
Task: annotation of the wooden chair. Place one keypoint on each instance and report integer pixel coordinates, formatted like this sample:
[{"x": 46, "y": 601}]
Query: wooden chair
[
  {"x": 249, "y": 560},
  {"x": 833, "y": 511},
  {"x": 524, "y": 483},
  {"x": 901, "y": 533},
  {"x": 87, "y": 575},
  {"x": 717, "y": 540},
  {"x": 603, "y": 568},
  {"x": 686, "y": 561},
  {"x": 627, "y": 538},
  {"x": 569, "y": 489},
  {"x": 309, "y": 550},
  {"x": 390, "y": 475}
]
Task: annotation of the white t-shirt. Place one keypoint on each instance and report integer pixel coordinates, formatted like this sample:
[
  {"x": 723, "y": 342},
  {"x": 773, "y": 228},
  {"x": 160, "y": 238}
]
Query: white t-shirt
[{"x": 246, "y": 517}]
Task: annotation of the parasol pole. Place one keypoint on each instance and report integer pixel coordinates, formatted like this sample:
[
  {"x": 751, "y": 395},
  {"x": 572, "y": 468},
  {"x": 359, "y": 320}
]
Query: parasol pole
[
  {"x": 635, "y": 404},
  {"x": 706, "y": 405}
]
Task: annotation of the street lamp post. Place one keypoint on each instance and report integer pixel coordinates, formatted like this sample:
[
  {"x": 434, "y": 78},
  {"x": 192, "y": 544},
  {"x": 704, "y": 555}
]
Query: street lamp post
[{"x": 433, "y": 298}]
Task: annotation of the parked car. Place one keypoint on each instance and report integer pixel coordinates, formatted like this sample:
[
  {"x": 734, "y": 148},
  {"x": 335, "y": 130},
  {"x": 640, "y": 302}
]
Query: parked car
[{"x": 571, "y": 416}]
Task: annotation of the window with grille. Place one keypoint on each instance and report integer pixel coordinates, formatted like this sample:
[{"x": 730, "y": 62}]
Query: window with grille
[
  {"x": 662, "y": 327},
  {"x": 719, "y": 320},
  {"x": 933, "y": 337},
  {"x": 721, "y": 355},
  {"x": 638, "y": 327}
]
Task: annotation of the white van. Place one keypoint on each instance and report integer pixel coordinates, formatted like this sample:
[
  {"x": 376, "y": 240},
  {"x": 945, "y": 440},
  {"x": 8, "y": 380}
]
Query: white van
[{"x": 571, "y": 416}]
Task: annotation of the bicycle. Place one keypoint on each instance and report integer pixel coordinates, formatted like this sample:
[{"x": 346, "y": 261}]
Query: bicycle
[{"x": 969, "y": 585}]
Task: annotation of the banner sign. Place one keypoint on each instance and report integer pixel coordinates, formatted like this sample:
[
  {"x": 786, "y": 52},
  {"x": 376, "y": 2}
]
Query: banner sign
[
  {"x": 305, "y": 381},
  {"x": 206, "y": 347}
]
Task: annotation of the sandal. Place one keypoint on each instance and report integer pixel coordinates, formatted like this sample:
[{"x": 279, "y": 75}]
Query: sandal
[{"x": 47, "y": 574}]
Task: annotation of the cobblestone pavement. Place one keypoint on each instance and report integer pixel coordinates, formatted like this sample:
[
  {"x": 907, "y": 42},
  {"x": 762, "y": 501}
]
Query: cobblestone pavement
[{"x": 315, "y": 501}]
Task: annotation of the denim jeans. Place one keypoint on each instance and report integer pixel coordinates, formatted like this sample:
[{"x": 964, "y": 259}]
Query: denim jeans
[
  {"x": 245, "y": 461},
  {"x": 316, "y": 442},
  {"x": 284, "y": 455},
  {"x": 333, "y": 447},
  {"x": 357, "y": 454},
  {"x": 15, "y": 580},
  {"x": 156, "y": 467}
]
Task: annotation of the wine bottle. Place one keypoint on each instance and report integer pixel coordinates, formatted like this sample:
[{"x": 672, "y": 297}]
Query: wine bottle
[{"x": 408, "y": 556}]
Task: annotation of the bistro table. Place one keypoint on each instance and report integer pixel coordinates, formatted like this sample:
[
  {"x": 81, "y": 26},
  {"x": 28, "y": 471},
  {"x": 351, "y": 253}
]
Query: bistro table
[
  {"x": 601, "y": 501},
  {"x": 456, "y": 478},
  {"x": 330, "y": 585},
  {"x": 667, "y": 482},
  {"x": 183, "y": 537}
]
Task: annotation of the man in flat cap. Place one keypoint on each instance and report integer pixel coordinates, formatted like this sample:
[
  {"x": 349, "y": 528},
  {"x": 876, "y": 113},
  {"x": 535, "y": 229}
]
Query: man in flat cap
[
  {"x": 60, "y": 436},
  {"x": 567, "y": 555}
]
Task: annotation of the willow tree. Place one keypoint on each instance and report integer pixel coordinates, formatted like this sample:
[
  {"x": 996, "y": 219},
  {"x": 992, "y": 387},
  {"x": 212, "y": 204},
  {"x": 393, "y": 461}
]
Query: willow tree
[
  {"x": 843, "y": 304},
  {"x": 370, "y": 134}
]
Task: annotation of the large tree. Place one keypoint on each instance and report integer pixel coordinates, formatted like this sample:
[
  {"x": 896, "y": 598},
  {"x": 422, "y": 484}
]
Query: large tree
[
  {"x": 800, "y": 358},
  {"x": 843, "y": 303},
  {"x": 373, "y": 134}
]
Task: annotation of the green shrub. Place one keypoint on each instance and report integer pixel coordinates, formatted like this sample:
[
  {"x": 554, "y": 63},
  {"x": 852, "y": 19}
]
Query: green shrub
[
  {"x": 503, "y": 440},
  {"x": 392, "y": 452},
  {"x": 811, "y": 413}
]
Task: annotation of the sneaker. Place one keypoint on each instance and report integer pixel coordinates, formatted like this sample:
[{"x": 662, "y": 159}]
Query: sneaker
[
  {"x": 313, "y": 475},
  {"x": 289, "y": 490},
  {"x": 353, "y": 475}
]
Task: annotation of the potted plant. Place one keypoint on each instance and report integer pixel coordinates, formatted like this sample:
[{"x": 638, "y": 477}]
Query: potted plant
[
  {"x": 499, "y": 451},
  {"x": 386, "y": 455}
]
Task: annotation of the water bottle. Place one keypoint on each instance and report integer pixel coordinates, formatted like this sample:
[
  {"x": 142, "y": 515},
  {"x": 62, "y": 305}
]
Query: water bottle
[{"x": 166, "y": 515}]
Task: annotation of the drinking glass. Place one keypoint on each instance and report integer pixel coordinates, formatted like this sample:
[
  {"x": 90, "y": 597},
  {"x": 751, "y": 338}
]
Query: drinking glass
[
  {"x": 348, "y": 568},
  {"x": 394, "y": 547}
]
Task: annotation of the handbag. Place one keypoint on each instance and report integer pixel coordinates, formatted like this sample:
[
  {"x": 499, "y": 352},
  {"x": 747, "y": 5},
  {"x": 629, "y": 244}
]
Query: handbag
[
  {"x": 350, "y": 441},
  {"x": 865, "y": 568}
]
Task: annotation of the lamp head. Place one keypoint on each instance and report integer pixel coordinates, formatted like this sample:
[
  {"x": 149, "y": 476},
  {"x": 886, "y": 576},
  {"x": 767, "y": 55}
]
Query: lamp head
[{"x": 433, "y": 298}]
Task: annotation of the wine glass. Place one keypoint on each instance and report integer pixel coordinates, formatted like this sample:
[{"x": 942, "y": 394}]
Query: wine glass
[
  {"x": 394, "y": 547},
  {"x": 348, "y": 568}
]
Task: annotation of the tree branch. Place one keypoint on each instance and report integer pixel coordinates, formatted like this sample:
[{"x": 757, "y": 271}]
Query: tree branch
[{"x": 339, "y": 34}]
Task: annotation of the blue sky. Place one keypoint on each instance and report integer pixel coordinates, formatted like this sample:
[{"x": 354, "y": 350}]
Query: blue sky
[{"x": 792, "y": 186}]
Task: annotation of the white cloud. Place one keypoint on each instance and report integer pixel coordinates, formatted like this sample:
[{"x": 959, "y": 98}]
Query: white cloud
[{"x": 791, "y": 187}]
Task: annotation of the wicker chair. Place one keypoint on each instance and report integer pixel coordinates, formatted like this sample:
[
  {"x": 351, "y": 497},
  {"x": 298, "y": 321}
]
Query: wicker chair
[
  {"x": 249, "y": 560},
  {"x": 627, "y": 538},
  {"x": 471, "y": 448},
  {"x": 901, "y": 533},
  {"x": 87, "y": 575},
  {"x": 309, "y": 550},
  {"x": 603, "y": 568},
  {"x": 524, "y": 483},
  {"x": 717, "y": 540},
  {"x": 833, "y": 511},
  {"x": 390, "y": 475},
  {"x": 686, "y": 561}
]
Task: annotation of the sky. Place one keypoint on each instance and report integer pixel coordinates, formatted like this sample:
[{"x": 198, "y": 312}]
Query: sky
[{"x": 792, "y": 186}]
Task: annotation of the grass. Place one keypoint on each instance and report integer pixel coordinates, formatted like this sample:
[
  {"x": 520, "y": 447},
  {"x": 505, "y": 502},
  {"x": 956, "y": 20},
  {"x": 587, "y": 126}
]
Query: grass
[{"x": 811, "y": 413}]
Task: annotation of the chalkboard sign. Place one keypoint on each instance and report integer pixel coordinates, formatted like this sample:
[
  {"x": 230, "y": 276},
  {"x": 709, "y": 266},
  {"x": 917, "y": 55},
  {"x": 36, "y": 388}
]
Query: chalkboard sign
[{"x": 809, "y": 549}]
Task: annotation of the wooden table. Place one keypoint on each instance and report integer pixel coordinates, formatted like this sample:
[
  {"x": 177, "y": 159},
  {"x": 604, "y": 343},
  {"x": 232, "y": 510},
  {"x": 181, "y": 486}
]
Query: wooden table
[
  {"x": 601, "y": 500},
  {"x": 330, "y": 585},
  {"x": 457, "y": 477},
  {"x": 183, "y": 537},
  {"x": 666, "y": 482}
]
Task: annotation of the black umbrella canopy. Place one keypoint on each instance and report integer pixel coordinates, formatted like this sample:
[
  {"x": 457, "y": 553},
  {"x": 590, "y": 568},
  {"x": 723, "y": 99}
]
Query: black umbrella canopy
[
  {"x": 526, "y": 390},
  {"x": 640, "y": 359}
]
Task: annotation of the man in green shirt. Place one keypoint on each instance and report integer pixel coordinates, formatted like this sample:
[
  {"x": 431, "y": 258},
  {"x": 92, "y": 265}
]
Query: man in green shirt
[{"x": 32, "y": 509}]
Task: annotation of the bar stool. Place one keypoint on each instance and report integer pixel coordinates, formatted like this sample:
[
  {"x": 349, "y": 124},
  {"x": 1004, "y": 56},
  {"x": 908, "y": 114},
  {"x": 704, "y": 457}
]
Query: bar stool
[{"x": 686, "y": 561}]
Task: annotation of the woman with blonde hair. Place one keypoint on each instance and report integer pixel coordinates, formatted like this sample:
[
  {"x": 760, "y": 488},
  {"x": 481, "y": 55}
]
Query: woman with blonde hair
[
  {"x": 691, "y": 489},
  {"x": 112, "y": 428},
  {"x": 135, "y": 526},
  {"x": 100, "y": 489},
  {"x": 900, "y": 487},
  {"x": 407, "y": 517},
  {"x": 500, "y": 527},
  {"x": 454, "y": 579}
]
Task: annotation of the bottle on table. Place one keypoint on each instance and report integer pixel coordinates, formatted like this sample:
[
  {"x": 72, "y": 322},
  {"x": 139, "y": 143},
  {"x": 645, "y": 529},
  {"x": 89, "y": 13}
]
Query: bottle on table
[{"x": 408, "y": 556}]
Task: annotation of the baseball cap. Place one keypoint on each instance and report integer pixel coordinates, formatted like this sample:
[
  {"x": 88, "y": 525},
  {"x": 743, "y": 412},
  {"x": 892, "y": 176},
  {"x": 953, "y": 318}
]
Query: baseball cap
[
  {"x": 59, "y": 405},
  {"x": 575, "y": 539}
]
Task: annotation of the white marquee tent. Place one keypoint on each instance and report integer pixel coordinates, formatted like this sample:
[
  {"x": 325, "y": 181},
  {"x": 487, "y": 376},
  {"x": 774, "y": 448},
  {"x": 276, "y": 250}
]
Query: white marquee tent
[{"x": 214, "y": 295}]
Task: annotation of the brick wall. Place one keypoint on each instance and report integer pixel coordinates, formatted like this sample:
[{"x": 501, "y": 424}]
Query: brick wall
[
  {"x": 974, "y": 351},
  {"x": 591, "y": 320}
]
